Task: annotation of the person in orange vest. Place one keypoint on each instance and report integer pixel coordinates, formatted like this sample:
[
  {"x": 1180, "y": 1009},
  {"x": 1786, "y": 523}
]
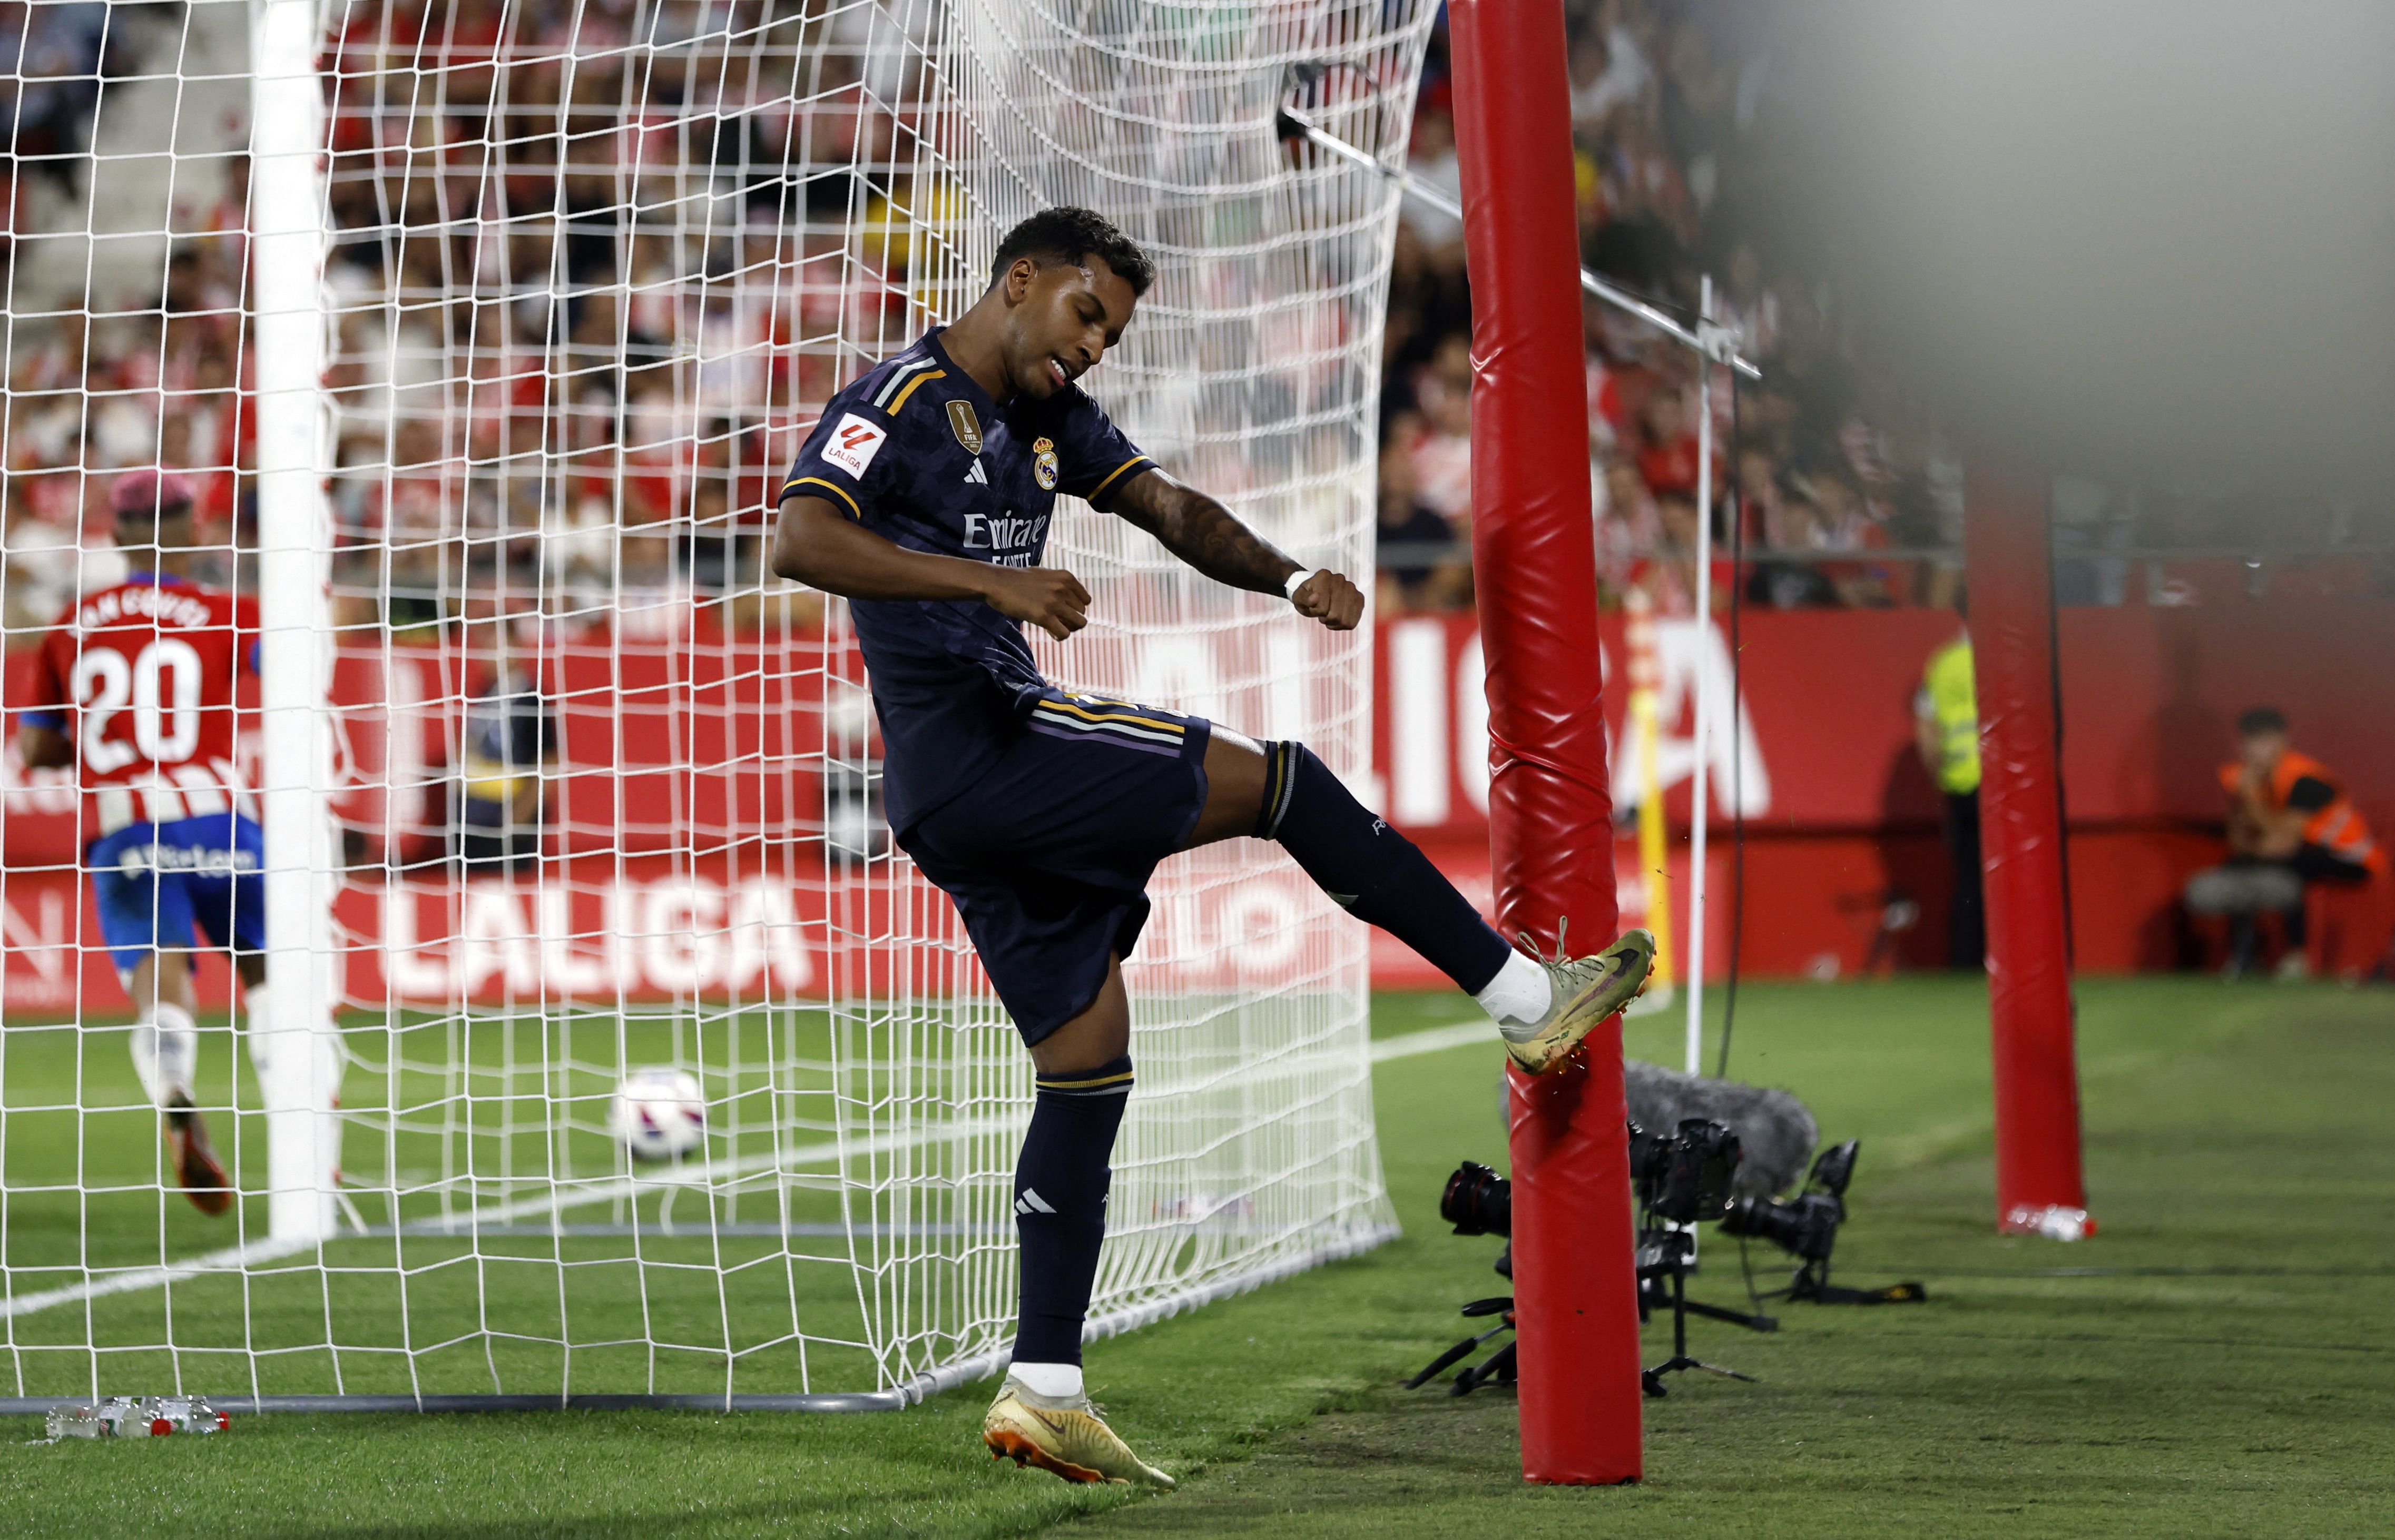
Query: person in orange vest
[{"x": 2290, "y": 824}]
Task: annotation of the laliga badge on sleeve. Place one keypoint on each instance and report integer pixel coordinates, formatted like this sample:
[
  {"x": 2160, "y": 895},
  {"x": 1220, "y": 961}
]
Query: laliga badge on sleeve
[
  {"x": 1043, "y": 463},
  {"x": 966, "y": 426},
  {"x": 854, "y": 444}
]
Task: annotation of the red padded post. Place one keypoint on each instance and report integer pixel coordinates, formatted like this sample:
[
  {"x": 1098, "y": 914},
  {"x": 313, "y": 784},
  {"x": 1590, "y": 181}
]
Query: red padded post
[
  {"x": 1550, "y": 817},
  {"x": 2006, "y": 564}
]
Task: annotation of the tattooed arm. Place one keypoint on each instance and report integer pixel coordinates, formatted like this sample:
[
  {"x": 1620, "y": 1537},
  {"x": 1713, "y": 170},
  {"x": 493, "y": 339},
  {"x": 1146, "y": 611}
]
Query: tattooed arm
[{"x": 1208, "y": 537}]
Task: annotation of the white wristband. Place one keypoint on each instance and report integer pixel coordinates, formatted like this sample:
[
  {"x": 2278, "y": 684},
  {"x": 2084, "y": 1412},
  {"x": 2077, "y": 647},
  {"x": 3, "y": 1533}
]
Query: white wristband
[{"x": 1297, "y": 580}]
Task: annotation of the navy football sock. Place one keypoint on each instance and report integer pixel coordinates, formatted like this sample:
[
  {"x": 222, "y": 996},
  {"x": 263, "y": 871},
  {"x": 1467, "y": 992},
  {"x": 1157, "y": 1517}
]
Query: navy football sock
[
  {"x": 1060, "y": 1205},
  {"x": 1380, "y": 876}
]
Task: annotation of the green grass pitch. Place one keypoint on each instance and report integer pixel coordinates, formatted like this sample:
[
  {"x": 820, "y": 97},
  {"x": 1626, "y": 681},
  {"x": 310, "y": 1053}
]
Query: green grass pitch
[
  {"x": 2214, "y": 1363},
  {"x": 660, "y": 1310}
]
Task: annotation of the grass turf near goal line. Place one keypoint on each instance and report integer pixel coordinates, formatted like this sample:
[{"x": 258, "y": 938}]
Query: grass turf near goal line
[
  {"x": 451, "y": 1247},
  {"x": 2211, "y": 1364},
  {"x": 499, "y": 1245}
]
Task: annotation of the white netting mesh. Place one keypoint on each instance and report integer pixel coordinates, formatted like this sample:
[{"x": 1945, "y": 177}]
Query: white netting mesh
[{"x": 608, "y": 794}]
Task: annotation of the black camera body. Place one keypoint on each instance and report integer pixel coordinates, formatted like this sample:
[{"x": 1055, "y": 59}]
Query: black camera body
[
  {"x": 1684, "y": 1177},
  {"x": 1805, "y": 1226}
]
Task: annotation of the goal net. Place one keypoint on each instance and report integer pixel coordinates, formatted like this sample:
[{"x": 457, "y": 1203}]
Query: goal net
[{"x": 608, "y": 1047}]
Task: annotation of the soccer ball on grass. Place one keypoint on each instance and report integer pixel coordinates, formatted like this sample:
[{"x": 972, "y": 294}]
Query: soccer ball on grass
[{"x": 660, "y": 1113}]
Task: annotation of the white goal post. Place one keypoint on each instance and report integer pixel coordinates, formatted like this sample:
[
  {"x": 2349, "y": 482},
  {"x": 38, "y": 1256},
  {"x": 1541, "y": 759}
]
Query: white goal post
[
  {"x": 487, "y": 331},
  {"x": 288, "y": 324}
]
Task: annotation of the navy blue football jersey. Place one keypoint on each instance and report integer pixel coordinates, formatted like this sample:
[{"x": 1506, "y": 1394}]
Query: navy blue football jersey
[{"x": 919, "y": 454}]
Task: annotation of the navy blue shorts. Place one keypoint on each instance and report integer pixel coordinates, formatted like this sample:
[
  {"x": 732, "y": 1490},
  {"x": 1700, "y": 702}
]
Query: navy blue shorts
[
  {"x": 165, "y": 886},
  {"x": 1047, "y": 855}
]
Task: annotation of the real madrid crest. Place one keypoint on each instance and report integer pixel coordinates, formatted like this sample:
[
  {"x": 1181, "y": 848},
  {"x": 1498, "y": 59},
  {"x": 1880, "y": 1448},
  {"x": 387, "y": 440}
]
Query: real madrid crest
[
  {"x": 1043, "y": 463},
  {"x": 966, "y": 426}
]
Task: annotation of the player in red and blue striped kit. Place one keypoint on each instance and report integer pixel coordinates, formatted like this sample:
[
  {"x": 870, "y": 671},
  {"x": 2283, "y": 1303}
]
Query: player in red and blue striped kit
[{"x": 138, "y": 690}]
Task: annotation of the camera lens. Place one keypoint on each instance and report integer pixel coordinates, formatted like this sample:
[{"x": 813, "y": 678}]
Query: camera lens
[
  {"x": 1477, "y": 1202},
  {"x": 1806, "y": 1227}
]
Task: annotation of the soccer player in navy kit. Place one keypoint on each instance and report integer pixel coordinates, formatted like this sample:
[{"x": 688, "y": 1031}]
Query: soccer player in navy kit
[{"x": 924, "y": 496}]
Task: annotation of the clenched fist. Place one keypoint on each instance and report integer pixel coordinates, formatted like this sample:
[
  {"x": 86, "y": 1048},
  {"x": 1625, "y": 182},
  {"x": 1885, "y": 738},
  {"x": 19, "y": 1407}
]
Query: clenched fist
[
  {"x": 1331, "y": 598},
  {"x": 1049, "y": 598}
]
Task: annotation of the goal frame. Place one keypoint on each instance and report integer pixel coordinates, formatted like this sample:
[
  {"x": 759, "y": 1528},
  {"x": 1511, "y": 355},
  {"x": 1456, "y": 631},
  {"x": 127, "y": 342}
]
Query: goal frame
[
  {"x": 289, "y": 237},
  {"x": 295, "y": 655}
]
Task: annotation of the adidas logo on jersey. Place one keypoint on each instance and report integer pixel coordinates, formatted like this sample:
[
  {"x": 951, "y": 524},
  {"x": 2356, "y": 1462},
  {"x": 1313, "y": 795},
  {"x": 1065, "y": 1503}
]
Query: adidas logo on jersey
[
  {"x": 974, "y": 476},
  {"x": 1032, "y": 1202}
]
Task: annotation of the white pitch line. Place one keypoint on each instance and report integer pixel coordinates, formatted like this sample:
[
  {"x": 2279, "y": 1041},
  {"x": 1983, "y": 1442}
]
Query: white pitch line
[
  {"x": 257, "y": 1253},
  {"x": 580, "y": 1195},
  {"x": 231, "y": 1259},
  {"x": 1433, "y": 1040}
]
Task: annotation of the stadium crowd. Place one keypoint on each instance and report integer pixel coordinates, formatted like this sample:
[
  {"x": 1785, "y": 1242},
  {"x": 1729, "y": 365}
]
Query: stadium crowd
[
  {"x": 1840, "y": 488},
  {"x": 535, "y": 404},
  {"x": 1818, "y": 475},
  {"x": 533, "y": 398}
]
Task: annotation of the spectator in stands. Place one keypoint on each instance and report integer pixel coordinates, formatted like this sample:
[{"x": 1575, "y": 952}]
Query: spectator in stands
[
  {"x": 1667, "y": 452},
  {"x": 1779, "y": 522},
  {"x": 57, "y": 73},
  {"x": 719, "y": 555},
  {"x": 1433, "y": 164},
  {"x": 413, "y": 511},
  {"x": 41, "y": 568},
  {"x": 1627, "y": 528},
  {"x": 1609, "y": 74},
  {"x": 1946, "y": 729},
  {"x": 1421, "y": 564},
  {"x": 511, "y": 735},
  {"x": 1840, "y": 521},
  {"x": 1782, "y": 584},
  {"x": 1694, "y": 107},
  {"x": 2290, "y": 824},
  {"x": 1670, "y": 576},
  {"x": 1441, "y": 441},
  {"x": 1747, "y": 307}
]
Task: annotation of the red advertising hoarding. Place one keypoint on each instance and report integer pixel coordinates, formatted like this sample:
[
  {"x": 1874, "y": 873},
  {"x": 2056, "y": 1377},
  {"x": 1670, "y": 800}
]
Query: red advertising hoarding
[{"x": 1842, "y": 821}]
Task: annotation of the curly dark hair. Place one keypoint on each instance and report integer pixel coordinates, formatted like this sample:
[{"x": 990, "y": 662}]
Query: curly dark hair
[{"x": 1067, "y": 234}]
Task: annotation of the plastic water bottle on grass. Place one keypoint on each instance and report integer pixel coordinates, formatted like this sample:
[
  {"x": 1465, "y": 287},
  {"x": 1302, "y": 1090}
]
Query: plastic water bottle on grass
[
  {"x": 183, "y": 1414},
  {"x": 75, "y": 1422},
  {"x": 2054, "y": 1221},
  {"x": 107, "y": 1420},
  {"x": 128, "y": 1417}
]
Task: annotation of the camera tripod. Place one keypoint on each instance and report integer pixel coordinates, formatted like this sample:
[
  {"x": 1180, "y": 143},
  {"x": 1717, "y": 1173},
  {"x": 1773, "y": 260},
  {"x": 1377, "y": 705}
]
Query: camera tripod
[
  {"x": 1500, "y": 1367},
  {"x": 1811, "y": 1286},
  {"x": 1663, "y": 1255}
]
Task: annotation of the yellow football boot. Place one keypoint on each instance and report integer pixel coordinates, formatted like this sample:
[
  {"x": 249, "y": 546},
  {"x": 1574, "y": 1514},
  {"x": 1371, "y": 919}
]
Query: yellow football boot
[
  {"x": 1587, "y": 990},
  {"x": 1064, "y": 1435}
]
